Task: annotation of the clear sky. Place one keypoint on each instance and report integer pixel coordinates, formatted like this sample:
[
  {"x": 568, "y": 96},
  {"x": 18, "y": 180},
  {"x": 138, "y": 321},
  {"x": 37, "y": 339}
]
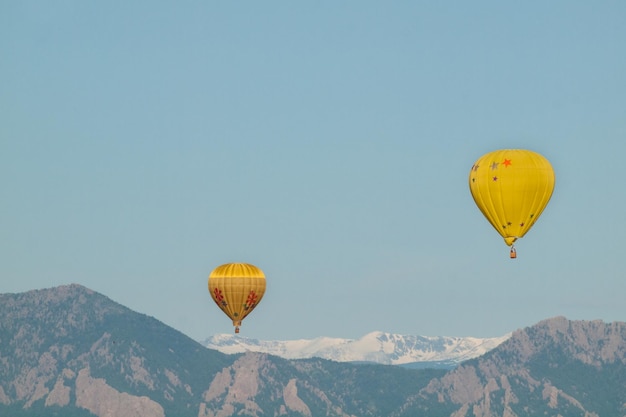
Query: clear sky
[{"x": 144, "y": 143}]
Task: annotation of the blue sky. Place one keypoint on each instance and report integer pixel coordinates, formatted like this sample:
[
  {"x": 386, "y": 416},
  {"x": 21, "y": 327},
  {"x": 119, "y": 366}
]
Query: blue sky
[{"x": 143, "y": 144}]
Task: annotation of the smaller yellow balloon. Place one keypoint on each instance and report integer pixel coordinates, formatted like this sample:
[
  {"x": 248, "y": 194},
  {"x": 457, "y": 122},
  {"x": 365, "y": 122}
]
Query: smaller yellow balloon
[{"x": 237, "y": 288}]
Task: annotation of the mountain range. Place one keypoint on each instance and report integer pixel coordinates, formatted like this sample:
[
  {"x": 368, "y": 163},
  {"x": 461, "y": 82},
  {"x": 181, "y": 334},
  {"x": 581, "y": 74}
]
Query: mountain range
[
  {"x": 69, "y": 351},
  {"x": 375, "y": 347}
]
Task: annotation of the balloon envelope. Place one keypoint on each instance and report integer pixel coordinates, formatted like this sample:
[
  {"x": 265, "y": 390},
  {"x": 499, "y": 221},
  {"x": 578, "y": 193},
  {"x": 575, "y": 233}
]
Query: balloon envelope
[
  {"x": 511, "y": 187},
  {"x": 237, "y": 288}
]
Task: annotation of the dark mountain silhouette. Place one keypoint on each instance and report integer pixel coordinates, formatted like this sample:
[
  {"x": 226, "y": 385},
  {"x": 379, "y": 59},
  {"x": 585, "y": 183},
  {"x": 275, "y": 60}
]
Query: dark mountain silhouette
[
  {"x": 555, "y": 368},
  {"x": 69, "y": 351}
]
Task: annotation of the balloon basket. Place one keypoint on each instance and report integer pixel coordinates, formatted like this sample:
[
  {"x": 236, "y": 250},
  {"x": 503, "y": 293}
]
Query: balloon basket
[
  {"x": 237, "y": 329},
  {"x": 513, "y": 253}
]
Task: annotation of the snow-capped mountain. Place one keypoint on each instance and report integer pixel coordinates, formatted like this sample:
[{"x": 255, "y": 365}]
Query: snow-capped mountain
[{"x": 378, "y": 347}]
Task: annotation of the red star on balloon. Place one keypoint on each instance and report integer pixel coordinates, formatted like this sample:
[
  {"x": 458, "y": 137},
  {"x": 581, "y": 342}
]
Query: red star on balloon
[{"x": 506, "y": 162}]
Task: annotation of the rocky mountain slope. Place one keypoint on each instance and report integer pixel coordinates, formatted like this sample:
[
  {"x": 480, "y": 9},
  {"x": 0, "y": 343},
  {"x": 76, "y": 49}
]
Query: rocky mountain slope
[
  {"x": 69, "y": 351},
  {"x": 555, "y": 368},
  {"x": 69, "y": 346},
  {"x": 376, "y": 347}
]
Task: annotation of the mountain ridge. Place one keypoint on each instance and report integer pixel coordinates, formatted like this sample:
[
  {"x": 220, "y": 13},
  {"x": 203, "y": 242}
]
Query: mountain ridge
[
  {"x": 375, "y": 347},
  {"x": 556, "y": 364},
  {"x": 73, "y": 352}
]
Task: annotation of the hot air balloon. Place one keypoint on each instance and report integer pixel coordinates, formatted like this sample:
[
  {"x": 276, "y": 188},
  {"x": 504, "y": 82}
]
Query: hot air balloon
[
  {"x": 511, "y": 187},
  {"x": 237, "y": 288}
]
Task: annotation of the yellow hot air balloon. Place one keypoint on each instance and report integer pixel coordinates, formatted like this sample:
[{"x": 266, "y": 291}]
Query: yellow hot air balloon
[
  {"x": 511, "y": 187},
  {"x": 237, "y": 288}
]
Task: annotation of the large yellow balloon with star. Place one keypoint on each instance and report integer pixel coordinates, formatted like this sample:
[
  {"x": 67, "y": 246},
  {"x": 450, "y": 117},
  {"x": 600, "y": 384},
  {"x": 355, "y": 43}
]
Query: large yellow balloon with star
[
  {"x": 237, "y": 288},
  {"x": 512, "y": 187}
]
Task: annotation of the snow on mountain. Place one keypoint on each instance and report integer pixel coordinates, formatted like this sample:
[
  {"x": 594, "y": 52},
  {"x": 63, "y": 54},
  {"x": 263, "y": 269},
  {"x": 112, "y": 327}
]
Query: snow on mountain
[{"x": 378, "y": 347}]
